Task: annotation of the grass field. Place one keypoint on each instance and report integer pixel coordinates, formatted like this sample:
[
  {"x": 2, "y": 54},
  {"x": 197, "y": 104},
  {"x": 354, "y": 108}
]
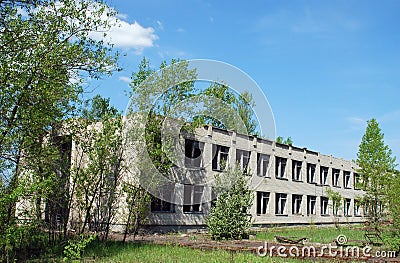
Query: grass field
[
  {"x": 143, "y": 252},
  {"x": 135, "y": 252}
]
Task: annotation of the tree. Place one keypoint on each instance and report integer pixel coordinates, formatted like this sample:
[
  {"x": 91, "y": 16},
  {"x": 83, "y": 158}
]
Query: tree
[
  {"x": 45, "y": 49},
  {"x": 376, "y": 167},
  {"x": 153, "y": 97},
  {"x": 158, "y": 97},
  {"x": 336, "y": 204},
  {"x": 237, "y": 108},
  {"x": 392, "y": 236},
  {"x": 95, "y": 186},
  {"x": 281, "y": 140},
  {"x": 229, "y": 218}
]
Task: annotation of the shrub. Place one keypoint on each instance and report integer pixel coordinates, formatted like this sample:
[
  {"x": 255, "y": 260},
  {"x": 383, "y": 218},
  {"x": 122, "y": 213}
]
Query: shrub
[{"x": 229, "y": 217}]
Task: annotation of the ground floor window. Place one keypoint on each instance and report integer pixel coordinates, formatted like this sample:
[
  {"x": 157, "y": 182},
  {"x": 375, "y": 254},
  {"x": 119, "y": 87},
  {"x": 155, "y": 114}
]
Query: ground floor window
[
  {"x": 311, "y": 201},
  {"x": 324, "y": 205},
  {"x": 262, "y": 203},
  {"x": 346, "y": 207},
  {"x": 296, "y": 204},
  {"x": 192, "y": 195},
  {"x": 280, "y": 204}
]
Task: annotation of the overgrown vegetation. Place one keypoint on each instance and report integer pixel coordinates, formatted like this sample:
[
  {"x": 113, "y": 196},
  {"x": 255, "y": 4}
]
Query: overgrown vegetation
[
  {"x": 335, "y": 204},
  {"x": 45, "y": 50},
  {"x": 229, "y": 217},
  {"x": 380, "y": 182}
]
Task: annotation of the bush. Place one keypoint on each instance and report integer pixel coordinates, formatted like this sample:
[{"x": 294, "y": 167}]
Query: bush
[{"x": 229, "y": 217}]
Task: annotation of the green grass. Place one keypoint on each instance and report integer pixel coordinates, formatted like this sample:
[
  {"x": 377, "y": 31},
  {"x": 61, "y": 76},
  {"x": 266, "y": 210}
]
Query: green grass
[
  {"x": 142, "y": 252},
  {"x": 137, "y": 252},
  {"x": 314, "y": 234}
]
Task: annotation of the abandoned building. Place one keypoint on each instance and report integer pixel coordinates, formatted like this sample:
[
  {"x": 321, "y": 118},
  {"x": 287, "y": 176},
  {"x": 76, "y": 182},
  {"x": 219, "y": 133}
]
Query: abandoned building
[{"x": 290, "y": 183}]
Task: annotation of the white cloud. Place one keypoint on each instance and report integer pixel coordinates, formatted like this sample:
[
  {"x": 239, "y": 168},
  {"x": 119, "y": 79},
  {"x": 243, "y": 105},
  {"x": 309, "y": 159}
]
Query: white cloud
[
  {"x": 123, "y": 34},
  {"x": 125, "y": 79},
  {"x": 356, "y": 123},
  {"x": 180, "y": 30}
]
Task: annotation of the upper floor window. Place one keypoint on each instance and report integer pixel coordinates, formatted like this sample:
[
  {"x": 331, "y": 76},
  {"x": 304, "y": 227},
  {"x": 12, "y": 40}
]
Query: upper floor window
[
  {"x": 346, "y": 179},
  {"x": 280, "y": 167},
  {"x": 296, "y": 170},
  {"x": 220, "y": 158},
  {"x": 310, "y": 173},
  {"x": 243, "y": 158},
  {"x": 335, "y": 177},
  {"x": 357, "y": 181},
  {"x": 262, "y": 164},
  {"x": 193, "y": 153},
  {"x": 323, "y": 175}
]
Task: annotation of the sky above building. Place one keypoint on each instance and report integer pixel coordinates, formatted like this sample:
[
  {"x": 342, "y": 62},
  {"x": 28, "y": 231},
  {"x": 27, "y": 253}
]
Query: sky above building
[{"x": 326, "y": 67}]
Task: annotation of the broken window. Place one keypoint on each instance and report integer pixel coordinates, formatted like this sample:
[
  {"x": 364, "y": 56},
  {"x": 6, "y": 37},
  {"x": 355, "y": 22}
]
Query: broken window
[
  {"x": 164, "y": 203},
  {"x": 346, "y": 179},
  {"x": 280, "y": 167},
  {"x": 357, "y": 208},
  {"x": 324, "y": 205},
  {"x": 296, "y": 204},
  {"x": 346, "y": 207},
  {"x": 335, "y": 177},
  {"x": 311, "y": 201},
  {"x": 280, "y": 203},
  {"x": 193, "y": 153},
  {"x": 220, "y": 158},
  {"x": 357, "y": 181},
  {"x": 310, "y": 173},
  {"x": 262, "y": 203},
  {"x": 296, "y": 170},
  {"x": 262, "y": 164},
  {"x": 192, "y": 195},
  {"x": 323, "y": 175},
  {"x": 243, "y": 158}
]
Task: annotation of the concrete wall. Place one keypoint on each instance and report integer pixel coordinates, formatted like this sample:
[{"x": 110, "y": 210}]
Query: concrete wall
[{"x": 270, "y": 183}]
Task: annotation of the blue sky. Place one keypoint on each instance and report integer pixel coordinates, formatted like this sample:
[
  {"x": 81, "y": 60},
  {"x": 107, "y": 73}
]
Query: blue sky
[{"x": 325, "y": 66}]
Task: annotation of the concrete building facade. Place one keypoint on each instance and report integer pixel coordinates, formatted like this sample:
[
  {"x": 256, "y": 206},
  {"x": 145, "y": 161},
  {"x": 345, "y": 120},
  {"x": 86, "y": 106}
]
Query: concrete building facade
[{"x": 289, "y": 183}]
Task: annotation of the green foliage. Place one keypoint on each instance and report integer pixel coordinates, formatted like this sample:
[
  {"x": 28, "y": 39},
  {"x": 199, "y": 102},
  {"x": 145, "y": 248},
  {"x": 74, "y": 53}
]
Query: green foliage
[
  {"x": 44, "y": 46},
  {"x": 75, "y": 248},
  {"x": 233, "y": 109},
  {"x": 336, "y": 204},
  {"x": 376, "y": 169},
  {"x": 95, "y": 184},
  {"x": 281, "y": 140},
  {"x": 229, "y": 218}
]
